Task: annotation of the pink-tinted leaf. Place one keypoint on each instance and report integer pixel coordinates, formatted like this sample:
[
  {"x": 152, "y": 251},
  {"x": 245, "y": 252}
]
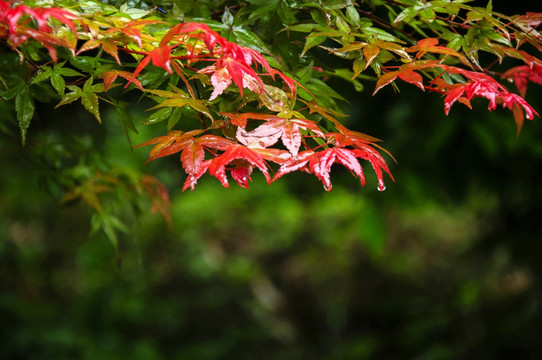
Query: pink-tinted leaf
[
  {"x": 263, "y": 136},
  {"x": 192, "y": 157},
  {"x": 294, "y": 164},
  {"x": 220, "y": 79},
  {"x": 193, "y": 178}
]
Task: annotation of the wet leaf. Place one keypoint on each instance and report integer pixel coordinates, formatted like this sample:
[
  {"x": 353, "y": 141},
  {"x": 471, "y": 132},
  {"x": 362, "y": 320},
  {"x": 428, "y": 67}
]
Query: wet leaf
[{"x": 24, "y": 106}]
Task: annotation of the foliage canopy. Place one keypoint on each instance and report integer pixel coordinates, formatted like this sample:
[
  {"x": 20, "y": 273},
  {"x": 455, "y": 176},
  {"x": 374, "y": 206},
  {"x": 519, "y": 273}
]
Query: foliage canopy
[{"x": 244, "y": 88}]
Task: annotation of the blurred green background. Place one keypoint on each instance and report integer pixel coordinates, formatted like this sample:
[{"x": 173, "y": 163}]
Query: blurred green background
[{"x": 444, "y": 264}]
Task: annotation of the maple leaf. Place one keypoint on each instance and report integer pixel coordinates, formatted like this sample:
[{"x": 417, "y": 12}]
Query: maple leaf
[
  {"x": 233, "y": 63},
  {"x": 217, "y": 167},
  {"x": 319, "y": 164},
  {"x": 160, "y": 57},
  {"x": 482, "y": 85},
  {"x": 192, "y": 150},
  {"x": 133, "y": 28},
  {"x": 107, "y": 44},
  {"x": 111, "y": 75},
  {"x": 12, "y": 15},
  {"x": 169, "y": 144},
  {"x": 430, "y": 45},
  {"x": 47, "y": 40},
  {"x": 221, "y": 79},
  {"x": 20, "y": 33},
  {"x": 521, "y": 75},
  {"x": 159, "y": 197},
  {"x": 406, "y": 73},
  {"x": 288, "y": 130},
  {"x": 241, "y": 172},
  {"x": 236, "y": 59}
]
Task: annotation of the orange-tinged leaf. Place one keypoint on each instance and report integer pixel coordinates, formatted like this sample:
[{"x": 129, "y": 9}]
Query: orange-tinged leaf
[
  {"x": 385, "y": 80},
  {"x": 370, "y": 52},
  {"x": 110, "y": 47},
  {"x": 430, "y": 45},
  {"x": 110, "y": 77}
]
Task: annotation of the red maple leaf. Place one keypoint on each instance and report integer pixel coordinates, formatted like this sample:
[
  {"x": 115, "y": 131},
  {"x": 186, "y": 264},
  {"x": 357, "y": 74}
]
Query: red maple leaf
[
  {"x": 160, "y": 57},
  {"x": 217, "y": 168},
  {"x": 482, "y": 85},
  {"x": 521, "y": 75},
  {"x": 319, "y": 164},
  {"x": 19, "y": 32},
  {"x": 12, "y": 15}
]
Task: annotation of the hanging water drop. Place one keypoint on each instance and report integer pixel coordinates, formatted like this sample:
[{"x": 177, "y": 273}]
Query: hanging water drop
[{"x": 381, "y": 186}]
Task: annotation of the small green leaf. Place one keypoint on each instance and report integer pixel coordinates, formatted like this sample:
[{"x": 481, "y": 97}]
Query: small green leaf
[
  {"x": 110, "y": 225},
  {"x": 158, "y": 116},
  {"x": 227, "y": 18},
  {"x": 126, "y": 121},
  {"x": 320, "y": 17},
  {"x": 247, "y": 38},
  {"x": 302, "y": 27},
  {"x": 358, "y": 66},
  {"x": 90, "y": 102},
  {"x": 24, "y": 106},
  {"x": 58, "y": 82},
  {"x": 42, "y": 75},
  {"x": 428, "y": 15},
  {"x": 407, "y": 13},
  {"x": 274, "y": 99},
  {"x": 489, "y": 7},
  {"x": 353, "y": 15},
  {"x": 474, "y": 15},
  {"x": 320, "y": 88},
  {"x": 312, "y": 42},
  {"x": 69, "y": 97},
  {"x": 67, "y": 72},
  {"x": 342, "y": 25},
  {"x": 304, "y": 74}
]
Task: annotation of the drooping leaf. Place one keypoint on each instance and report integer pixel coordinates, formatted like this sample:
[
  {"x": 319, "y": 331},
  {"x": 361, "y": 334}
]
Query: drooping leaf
[{"x": 24, "y": 106}]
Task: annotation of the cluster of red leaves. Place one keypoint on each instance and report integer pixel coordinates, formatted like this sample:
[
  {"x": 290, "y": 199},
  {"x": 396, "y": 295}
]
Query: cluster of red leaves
[
  {"x": 15, "y": 19},
  {"x": 521, "y": 75},
  {"x": 189, "y": 43},
  {"x": 232, "y": 62},
  {"x": 482, "y": 85},
  {"x": 476, "y": 84},
  {"x": 254, "y": 150}
]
